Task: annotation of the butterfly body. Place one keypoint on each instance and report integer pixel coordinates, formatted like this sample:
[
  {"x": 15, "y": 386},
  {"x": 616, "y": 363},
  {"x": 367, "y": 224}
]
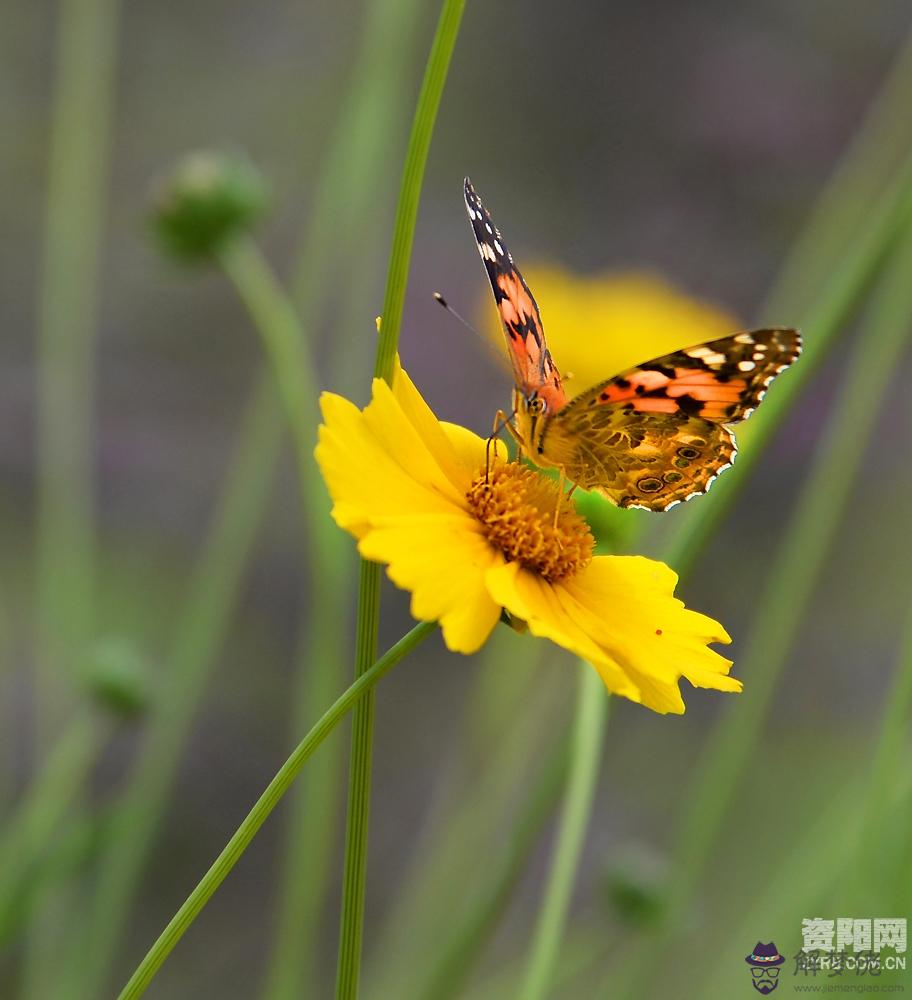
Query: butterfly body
[{"x": 650, "y": 437}]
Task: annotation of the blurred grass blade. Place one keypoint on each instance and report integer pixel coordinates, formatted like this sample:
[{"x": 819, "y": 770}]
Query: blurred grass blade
[
  {"x": 29, "y": 830},
  {"x": 453, "y": 962},
  {"x": 591, "y": 715},
  {"x": 345, "y": 220},
  {"x": 67, "y": 320},
  {"x": 352, "y": 922},
  {"x": 78, "y": 168},
  {"x": 264, "y": 805},
  {"x": 207, "y": 612},
  {"x": 874, "y": 157},
  {"x": 473, "y": 812},
  {"x": 327, "y": 559},
  {"x": 795, "y": 568}
]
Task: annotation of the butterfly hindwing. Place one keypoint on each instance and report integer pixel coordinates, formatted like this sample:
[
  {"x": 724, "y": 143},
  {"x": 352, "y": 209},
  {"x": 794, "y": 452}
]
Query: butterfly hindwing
[{"x": 637, "y": 459}]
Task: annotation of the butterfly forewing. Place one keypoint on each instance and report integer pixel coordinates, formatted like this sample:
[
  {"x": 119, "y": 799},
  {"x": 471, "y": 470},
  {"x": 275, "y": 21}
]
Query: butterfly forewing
[
  {"x": 722, "y": 380},
  {"x": 533, "y": 369}
]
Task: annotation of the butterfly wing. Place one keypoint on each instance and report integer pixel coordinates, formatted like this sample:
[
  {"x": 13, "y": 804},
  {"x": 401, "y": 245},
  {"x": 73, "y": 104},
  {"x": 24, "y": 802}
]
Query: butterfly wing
[
  {"x": 534, "y": 372},
  {"x": 655, "y": 435}
]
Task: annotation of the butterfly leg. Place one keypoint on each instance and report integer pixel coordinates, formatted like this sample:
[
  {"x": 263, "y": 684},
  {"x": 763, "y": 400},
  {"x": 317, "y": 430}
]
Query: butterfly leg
[
  {"x": 501, "y": 421},
  {"x": 560, "y": 494}
]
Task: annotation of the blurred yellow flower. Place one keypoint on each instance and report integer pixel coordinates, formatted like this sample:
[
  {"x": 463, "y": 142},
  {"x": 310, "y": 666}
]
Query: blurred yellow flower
[
  {"x": 470, "y": 540},
  {"x": 600, "y": 326}
]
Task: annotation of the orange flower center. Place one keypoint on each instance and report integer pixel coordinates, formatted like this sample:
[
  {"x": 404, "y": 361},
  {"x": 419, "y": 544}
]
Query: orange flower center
[{"x": 529, "y": 519}]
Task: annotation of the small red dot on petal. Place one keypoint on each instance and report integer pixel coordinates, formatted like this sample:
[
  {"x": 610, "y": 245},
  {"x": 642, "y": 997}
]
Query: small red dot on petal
[{"x": 658, "y": 631}]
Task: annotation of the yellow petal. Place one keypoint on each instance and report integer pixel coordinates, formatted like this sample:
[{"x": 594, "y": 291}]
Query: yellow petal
[
  {"x": 528, "y": 596},
  {"x": 442, "y": 560},
  {"x": 620, "y": 615},
  {"x": 364, "y": 481},
  {"x": 472, "y": 450}
]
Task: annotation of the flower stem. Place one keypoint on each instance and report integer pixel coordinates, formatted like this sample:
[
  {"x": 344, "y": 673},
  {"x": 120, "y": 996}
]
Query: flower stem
[
  {"x": 77, "y": 179},
  {"x": 454, "y": 959},
  {"x": 589, "y": 726},
  {"x": 28, "y": 831},
  {"x": 270, "y": 798},
  {"x": 350, "y": 934}
]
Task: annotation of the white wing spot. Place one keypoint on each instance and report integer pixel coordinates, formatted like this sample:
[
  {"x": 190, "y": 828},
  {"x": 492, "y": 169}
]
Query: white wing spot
[
  {"x": 746, "y": 366},
  {"x": 498, "y": 248},
  {"x": 744, "y": 338},
  {"x": 489, "y": 229}
]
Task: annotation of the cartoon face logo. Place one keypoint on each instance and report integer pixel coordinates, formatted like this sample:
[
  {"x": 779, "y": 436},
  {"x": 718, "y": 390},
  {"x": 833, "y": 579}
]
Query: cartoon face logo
[{"x": 765, "y": 961}]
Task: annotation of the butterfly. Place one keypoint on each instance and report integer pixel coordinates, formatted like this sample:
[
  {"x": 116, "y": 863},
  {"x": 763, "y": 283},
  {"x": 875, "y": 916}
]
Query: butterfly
[{"x": 654, "y": 435}]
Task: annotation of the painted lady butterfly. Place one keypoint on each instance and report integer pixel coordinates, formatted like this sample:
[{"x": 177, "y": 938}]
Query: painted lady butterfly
[{"x": 650, "y": 437}]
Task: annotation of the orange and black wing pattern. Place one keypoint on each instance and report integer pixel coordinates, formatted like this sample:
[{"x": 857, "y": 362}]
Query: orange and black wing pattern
[{"x": 533, "y": 370}]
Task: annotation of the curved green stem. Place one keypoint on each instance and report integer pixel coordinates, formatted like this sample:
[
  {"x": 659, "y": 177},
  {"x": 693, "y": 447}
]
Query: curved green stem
[
  {"x": 351, "y": 929},
  {"x": 270, "y": 798},
  {"x": 591, "y": 714}
]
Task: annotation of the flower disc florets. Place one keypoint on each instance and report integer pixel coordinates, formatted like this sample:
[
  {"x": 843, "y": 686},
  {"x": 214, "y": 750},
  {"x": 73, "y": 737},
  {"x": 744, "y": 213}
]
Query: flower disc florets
[{"x": 530, "y": 520}]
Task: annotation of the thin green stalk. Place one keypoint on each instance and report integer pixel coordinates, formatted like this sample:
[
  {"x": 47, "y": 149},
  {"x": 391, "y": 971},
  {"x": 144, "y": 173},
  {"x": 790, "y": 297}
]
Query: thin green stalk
[
  {"x": 29, "y": 830},
  {"x": 78, "y": 168},
  {"x": 352, "y": 921},
  {"x": 67, "y": 321},
  {"x": 444, "y": 864},
  {"x": 888, "y": 766},
  {"x": 454, "y": 961},
  {"x": 589, "y": 727},
  {"x": 791, "y": 579},
  {"x": 346, "y": 218},
  {"x": 877, "y": 151},
  {"x": 200, "y": 629},
  {"x": 264, "y": 805}
]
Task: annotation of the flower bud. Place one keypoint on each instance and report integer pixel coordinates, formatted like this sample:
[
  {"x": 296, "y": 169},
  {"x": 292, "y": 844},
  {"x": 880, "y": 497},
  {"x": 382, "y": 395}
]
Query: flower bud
[
  {"x": 209, "y": 199},
  {"x": 634, "y": 883},
  {"x": 118, "y": 676}
]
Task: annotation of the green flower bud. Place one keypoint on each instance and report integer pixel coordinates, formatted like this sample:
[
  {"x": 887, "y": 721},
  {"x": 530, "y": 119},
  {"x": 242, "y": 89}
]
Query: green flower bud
[
  {"x": 118, "y": 676},
  {"x": 634, "y": 883},
  {"x": 208, "y": 200}
]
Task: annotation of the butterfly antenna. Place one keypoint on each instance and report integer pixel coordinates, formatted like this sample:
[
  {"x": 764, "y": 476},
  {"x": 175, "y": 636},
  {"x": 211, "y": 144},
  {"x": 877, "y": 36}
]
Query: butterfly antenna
[{"x": 446, "y": 305}]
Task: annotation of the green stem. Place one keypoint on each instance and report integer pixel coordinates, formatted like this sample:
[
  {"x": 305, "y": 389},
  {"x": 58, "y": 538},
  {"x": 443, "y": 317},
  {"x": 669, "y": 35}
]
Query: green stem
[
  {"x": 347, "y": 219},
  {"x": 27, "y": 833},
  {"x": 200, "y": 629},
  {"x": 77, "y": 180},
  {"x": 277, "y": 324},
  {"x": 443, "y": 865},
  {"x": 270, "y": 798},
  {"x": 453, "y": 962},
  {"x": 351, "y": 929},
  {"x": 591, "y": 714},
  {"x": 435, "y": 75}
]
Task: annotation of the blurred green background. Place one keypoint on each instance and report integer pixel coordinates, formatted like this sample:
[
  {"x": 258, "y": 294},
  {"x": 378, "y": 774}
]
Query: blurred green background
[{"x": 691, "y": 139}]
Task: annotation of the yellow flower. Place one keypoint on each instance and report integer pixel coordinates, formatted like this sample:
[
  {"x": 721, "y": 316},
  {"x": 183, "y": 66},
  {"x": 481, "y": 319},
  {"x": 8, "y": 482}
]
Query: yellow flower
[
  {"x": 600, "y": 326},
  {"x": 469, "y": 541}
]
